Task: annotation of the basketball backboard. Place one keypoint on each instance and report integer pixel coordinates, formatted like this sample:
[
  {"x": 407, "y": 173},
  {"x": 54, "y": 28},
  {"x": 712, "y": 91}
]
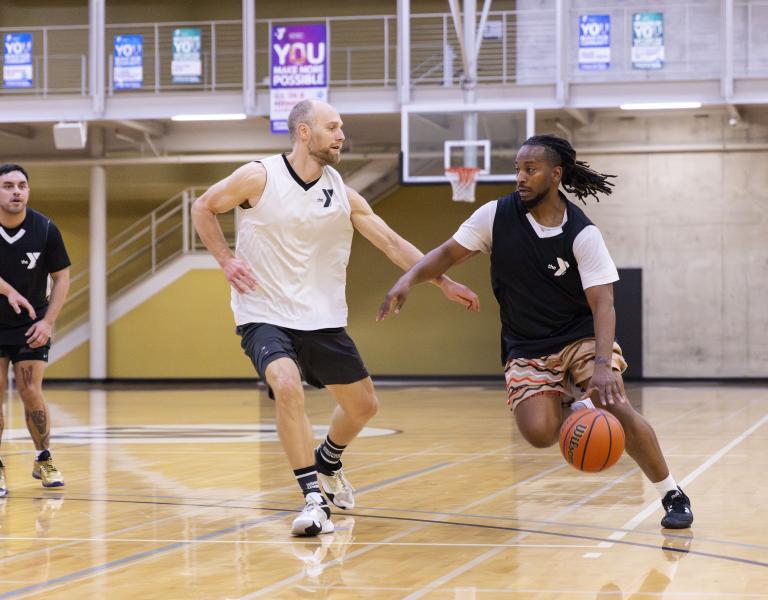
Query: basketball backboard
[{"x": 436, "y": 137}]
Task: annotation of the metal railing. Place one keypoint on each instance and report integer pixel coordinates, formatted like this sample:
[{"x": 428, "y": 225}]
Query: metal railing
[
  {"x": 141, "y": 249},
  {"x": 59, "y": 60},
  {"x": 519, "y": 47},
  {"x": 222, "y": 59},
  {"x": 693, "y": 38}
]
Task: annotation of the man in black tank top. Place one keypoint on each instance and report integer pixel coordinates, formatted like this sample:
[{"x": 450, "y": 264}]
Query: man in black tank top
[
  {"x": 553, "y": 279},
  {"x": 31, "y": 250}
]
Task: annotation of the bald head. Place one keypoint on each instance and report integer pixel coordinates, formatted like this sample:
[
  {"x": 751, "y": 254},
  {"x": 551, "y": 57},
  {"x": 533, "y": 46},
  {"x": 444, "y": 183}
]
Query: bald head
[
  {"x": 307, "y": 111},
  {"x": 315, "y": 128}
]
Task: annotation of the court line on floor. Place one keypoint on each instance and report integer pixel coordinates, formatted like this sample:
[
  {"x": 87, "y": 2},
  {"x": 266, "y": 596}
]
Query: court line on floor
[
  {"x": 521, "y": 533},
  {"x": 568, "y": 592},
  {"x": 302, "y": 541},
  {"x": 617, "y": 536},
  {"x": 423, "y": 524},
  {"x": 473, "y": 457},
  {"x": 153, "y": 553},
  {"x": 221, "y": 504},
  {"x": 435, "y": 583},
  {"x": 692, "y": 476}
]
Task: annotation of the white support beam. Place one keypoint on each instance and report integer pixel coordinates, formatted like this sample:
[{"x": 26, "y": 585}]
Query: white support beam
[
  {"x": 97, "y": 259},
  {"x": 404, "y": 50},
  {"x": 579, "y": 115},
  {"x": 20, "y": 132},
  {"x": 96, "y": 54},
  {"x": 153, "y": 128},
  {"x": 481, "y": 28},
  {"x": 181, "y": 159},
  {"x": 249, "y": 57},
  {"x": 561, "y": 52},
  {"x": 728, "y": 50}
]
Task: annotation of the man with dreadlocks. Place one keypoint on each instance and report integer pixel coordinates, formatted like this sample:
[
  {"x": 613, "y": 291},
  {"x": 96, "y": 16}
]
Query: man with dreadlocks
[{"x": 553, "y": 278}]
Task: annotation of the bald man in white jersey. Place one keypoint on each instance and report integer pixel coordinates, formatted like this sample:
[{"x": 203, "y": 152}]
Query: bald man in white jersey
[{"x": 288, "y": 278}]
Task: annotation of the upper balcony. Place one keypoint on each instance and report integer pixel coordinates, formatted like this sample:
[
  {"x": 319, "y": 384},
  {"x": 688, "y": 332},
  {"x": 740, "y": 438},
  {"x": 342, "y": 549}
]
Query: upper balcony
[{"x": 715, "y": 52}]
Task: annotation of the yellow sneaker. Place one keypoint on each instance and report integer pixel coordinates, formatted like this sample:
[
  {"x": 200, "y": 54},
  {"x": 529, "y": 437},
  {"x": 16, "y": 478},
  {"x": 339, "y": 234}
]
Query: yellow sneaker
[
  {"x": 46, "y": 471},
  {"x": 3, "y": 485}
]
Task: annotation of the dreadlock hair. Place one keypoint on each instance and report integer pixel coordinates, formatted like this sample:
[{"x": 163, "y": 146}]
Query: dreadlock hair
[{"x": 577, "y": 178}]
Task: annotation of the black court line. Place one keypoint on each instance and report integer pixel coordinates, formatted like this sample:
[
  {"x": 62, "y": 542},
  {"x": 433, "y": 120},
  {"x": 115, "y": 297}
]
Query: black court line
[{"x": 558, "y": 534}]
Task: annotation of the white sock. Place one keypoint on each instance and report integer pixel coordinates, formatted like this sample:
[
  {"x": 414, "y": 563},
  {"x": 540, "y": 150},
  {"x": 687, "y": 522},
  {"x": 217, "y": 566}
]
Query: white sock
[
  {"x": 584, "y": 403},
  {"x": 666, "y": 485}
]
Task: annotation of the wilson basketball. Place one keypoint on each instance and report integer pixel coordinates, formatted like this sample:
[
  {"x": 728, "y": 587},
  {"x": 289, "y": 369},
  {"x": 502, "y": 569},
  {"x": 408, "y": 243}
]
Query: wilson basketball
[{"x": 591, "y": 440}]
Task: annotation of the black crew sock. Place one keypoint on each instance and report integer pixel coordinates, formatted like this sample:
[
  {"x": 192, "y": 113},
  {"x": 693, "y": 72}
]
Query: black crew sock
[
  {"x": 328, "y": 456},
  {"x": 307, "y": 478}
]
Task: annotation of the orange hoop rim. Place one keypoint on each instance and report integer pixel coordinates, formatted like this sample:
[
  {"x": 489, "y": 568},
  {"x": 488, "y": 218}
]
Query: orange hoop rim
[{"x": 465, "y": 174}]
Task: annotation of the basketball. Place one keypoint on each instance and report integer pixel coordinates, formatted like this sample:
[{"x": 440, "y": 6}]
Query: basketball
[{"x": 591, "y": 440}]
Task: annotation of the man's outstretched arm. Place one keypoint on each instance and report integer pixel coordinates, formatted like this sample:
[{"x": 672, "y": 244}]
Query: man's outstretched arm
[
  {"x": 400, "y": 251},
  {"x": 432, "y": 265}
]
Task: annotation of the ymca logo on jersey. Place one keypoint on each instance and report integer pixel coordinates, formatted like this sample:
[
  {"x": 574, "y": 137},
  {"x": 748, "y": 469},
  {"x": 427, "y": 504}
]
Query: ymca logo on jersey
[
  {"x": 31, "y": 260},
  {"x": 561, "y": 268},
  {"x": 327, "y": 200}
]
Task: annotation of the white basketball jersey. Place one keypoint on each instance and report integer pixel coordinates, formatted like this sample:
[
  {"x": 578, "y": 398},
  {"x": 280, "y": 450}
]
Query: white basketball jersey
[{"x": 297, "y": 240}]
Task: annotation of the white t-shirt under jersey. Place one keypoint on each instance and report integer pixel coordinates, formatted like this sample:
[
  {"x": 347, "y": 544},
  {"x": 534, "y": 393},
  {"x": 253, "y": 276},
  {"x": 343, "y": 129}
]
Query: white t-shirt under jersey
[
  {"x": 595, "y": 264},
  {"x": 297, "y": 240}
]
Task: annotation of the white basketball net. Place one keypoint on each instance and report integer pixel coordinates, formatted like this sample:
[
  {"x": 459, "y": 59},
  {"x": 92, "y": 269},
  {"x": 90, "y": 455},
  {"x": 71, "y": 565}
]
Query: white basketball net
[{"x": 463, "y": 180}]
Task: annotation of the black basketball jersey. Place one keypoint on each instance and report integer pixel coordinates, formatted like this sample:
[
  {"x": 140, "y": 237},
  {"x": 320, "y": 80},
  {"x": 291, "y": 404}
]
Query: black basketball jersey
[
  {"x": 28, "y": 253},
  {"x": 537, "y": 283}
]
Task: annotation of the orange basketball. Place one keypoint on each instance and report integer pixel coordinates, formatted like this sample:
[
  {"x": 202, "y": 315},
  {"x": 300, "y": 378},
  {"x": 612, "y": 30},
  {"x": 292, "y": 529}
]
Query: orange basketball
[{"x": 591, "y": 440}]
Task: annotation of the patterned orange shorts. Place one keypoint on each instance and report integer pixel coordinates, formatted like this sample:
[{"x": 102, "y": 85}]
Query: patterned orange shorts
[{"x": 561, "y": 372}]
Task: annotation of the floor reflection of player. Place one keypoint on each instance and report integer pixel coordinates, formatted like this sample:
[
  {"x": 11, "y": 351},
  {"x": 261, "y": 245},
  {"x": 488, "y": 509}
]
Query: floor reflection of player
[
  {"x": 657, "y": 579},
  {"x": 323, "y": 561},
  {"x": 48, "y": 507}
]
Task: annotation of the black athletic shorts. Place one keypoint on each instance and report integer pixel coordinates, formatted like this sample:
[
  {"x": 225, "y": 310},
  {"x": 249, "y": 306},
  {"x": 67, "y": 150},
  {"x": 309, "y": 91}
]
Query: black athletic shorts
[
  {"x": 18, "y": 353},
  {"x": 324, "y": 356}
]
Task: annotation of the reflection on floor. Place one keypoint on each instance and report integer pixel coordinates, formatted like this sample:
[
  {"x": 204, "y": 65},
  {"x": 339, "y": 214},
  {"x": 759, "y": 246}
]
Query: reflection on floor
[{"x": 185, "y": 493}]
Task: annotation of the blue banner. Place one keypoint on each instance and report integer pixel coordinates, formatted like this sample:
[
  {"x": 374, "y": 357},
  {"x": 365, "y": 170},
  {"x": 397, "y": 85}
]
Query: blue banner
[
  {"x": 595, "y": 42},
  {"x": 298, "y": 69},
  {"x": 128, "y": 65},
  {"x": 17, "y": 60},
  {"x": 186, "y": 66}
]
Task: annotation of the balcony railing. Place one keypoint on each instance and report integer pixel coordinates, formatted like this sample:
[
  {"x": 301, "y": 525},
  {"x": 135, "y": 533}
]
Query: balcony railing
[
  {"x": 141, "y": 249},
  {"x": 519, "y": 47}
]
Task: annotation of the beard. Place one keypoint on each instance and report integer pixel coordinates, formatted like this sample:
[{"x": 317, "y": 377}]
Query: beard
[
  {"x": 533, "y": 202},
  {"x": 325, "y": 156}
]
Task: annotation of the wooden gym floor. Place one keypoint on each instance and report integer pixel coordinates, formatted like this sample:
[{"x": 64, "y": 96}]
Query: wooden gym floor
[{"x": 184, "y": 493}]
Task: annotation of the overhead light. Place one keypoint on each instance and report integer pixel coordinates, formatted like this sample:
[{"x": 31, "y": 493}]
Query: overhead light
[
  {"x": 214, "y": 117},
  {"x": 659, "y": 105}
]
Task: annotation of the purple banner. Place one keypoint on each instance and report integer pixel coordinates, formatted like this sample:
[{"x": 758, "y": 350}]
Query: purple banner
[
  {"x": 299, "y": 56},
  {"x": 298, "y": 69}
]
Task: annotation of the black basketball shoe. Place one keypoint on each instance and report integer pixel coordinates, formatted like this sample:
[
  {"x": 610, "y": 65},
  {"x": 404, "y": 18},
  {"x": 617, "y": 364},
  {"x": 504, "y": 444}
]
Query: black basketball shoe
[{"x": 678, "y": 508}]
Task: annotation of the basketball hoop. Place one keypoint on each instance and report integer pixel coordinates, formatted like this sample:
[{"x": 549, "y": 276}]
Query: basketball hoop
[{"x": 463, "y": 180}]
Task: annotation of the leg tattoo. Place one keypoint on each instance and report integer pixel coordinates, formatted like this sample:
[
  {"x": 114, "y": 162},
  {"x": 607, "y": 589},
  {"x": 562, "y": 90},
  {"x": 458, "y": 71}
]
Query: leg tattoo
[
  {"x": 26, "y": 376},
  {"x": 39, "y": 419}
]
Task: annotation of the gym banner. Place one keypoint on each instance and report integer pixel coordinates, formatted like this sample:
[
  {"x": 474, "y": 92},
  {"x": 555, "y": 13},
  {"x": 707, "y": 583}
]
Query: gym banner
[
  {"x": 648, "y": 40},
  {"x": 298, "y": 69},
  {"x": 594, "y": 42},
  {"x": 17, "y": 60},
  {"x": 186, "y": 66},
  {"x": 128, "y": 62}
]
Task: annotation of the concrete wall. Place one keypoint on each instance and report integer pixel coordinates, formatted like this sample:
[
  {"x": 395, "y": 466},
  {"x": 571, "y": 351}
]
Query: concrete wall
[
  {"x": 697, "y": 224},
  {"x": 692, "y": 38}
]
